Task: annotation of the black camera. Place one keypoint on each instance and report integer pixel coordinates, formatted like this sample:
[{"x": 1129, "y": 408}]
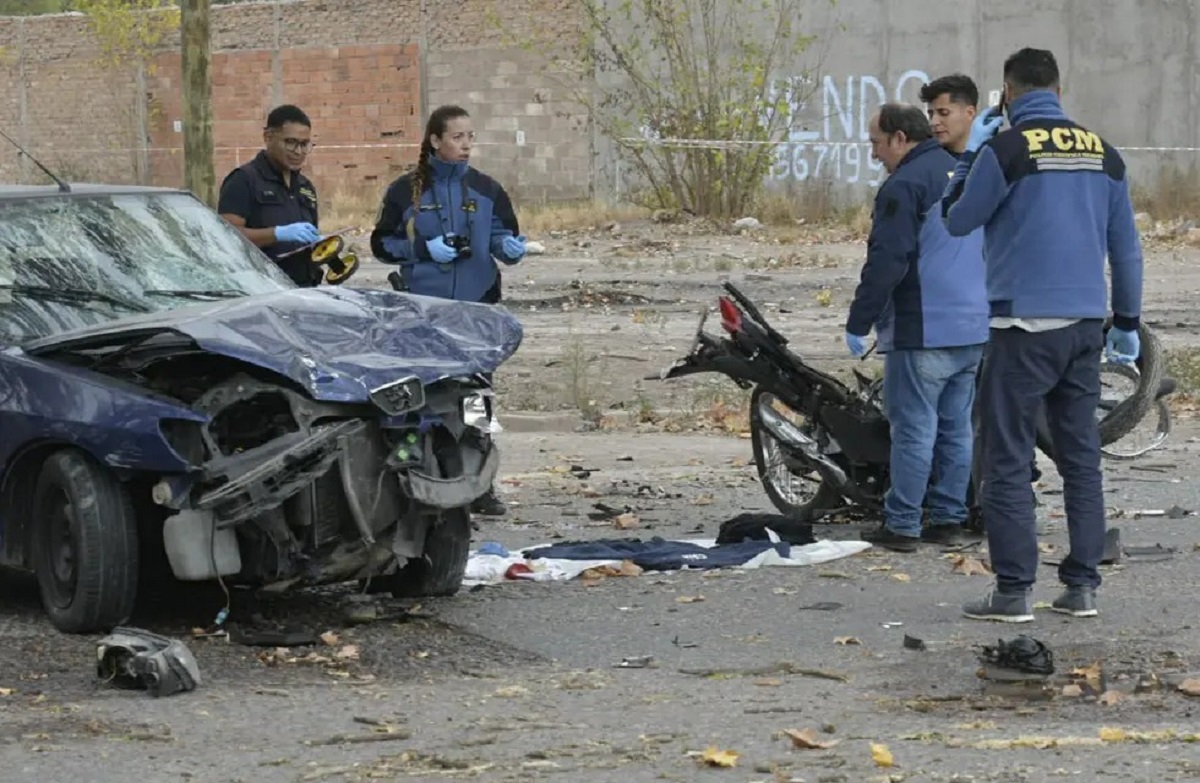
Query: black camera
[{"x": 461, "y": 245}]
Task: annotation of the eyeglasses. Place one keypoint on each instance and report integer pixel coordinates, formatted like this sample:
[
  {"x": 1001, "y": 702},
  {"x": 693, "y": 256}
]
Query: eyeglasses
[{"x": 296, "y": 145}]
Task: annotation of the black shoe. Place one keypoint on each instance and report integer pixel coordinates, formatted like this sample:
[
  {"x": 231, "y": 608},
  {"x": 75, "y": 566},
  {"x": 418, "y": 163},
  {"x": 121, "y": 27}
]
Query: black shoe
[
  {"x": 1000, "y": 607},
  {"x": 942, "y": 534},
  {"x": 884, "y": 537},
  {"x": 1077, "y": 601},
  {"x": 489, "y": 505}
]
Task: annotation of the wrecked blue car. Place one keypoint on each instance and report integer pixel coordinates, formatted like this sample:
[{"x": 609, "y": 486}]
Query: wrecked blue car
[{"x": 169, "y": 400}]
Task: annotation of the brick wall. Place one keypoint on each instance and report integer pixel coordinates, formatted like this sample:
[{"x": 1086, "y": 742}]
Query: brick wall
[{"x": 367, "y": 72}]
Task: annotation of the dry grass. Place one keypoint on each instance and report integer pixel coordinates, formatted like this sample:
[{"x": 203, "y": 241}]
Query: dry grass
[
  {"x": 814, "y": 208},
  {"x": 1176, "y": 195},
  {"x": 357, "y": 208}
]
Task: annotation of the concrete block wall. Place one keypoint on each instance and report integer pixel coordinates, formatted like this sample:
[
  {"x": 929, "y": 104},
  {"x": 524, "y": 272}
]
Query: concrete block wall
[{"x": 358, "y": 67}]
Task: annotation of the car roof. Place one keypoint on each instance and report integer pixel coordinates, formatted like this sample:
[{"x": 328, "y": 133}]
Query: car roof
[{"x": 11, "y": 192}]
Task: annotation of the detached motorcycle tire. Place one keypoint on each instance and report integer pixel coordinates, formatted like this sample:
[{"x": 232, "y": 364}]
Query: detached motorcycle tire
[
  {"x": 825, "y": 496},
  {"x": 1122, "y": 419}
]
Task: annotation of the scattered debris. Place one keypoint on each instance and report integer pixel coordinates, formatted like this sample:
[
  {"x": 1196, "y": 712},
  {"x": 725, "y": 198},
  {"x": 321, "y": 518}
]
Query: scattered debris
[
  {"x": 822, "y": 606},
  {"x": 136, "y": 659},
  {"x": 806, "y": 739},
  {"x": 1024, "y": 655},
  {"x": 913, "y": 643},
  {"x": 783, "y": 667},
  {"x": 636, "y": 662},
  {"x": 970, "y": 566},
  {"x": 389, "y": 734},
  {"x": 881, "y": 755},
  {"x": 847, "y": 640}
]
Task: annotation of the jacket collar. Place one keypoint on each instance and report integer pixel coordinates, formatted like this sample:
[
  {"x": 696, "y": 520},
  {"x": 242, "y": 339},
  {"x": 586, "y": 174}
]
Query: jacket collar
[
  {"x": 929, "y": 145},
  {"x": 445, "y": 170},
  {"x": 1035, "y": 105}
]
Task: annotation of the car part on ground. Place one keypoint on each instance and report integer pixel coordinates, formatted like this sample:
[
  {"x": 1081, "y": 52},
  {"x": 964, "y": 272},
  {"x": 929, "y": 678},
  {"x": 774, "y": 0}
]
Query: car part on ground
[{"x": 136, "y": 659}]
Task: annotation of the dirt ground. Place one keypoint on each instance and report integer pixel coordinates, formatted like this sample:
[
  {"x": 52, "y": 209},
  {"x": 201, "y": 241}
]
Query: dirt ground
[{"x": 519, "y": 682}]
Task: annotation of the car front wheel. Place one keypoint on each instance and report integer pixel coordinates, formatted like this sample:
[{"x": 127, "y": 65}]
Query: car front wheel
[
  {"x": 440, "y": 570},
  {"x": 85, "y": 545}
]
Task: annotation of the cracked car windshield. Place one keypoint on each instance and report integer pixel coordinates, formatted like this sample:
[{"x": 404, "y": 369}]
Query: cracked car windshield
[{"x": 74, "y": 261}]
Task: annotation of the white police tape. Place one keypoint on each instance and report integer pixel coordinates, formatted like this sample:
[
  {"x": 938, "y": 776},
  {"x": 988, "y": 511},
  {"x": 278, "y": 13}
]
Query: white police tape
[{"x": 736, "y": 144}]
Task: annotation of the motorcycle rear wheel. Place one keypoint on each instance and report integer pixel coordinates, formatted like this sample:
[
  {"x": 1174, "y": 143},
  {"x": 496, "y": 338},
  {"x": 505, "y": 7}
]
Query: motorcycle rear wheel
[{"x": 777, "y": 477}]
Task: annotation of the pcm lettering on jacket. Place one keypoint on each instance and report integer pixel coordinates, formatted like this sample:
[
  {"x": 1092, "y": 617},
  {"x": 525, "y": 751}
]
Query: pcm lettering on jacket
[{"x": 1053, "y": 200}]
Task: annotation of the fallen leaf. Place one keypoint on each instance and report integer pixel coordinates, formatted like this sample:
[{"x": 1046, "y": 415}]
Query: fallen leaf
[
  {"x": 511, "y": 692},
  {"x": 1109, "y": 698},
  {"x": 347, "y": 653},
  {"x": 1072, "y": 691},
  {"x": 902, "y": 577},
  {"x": 626, "y": 521},
  {"x": 689, "y": 599},
  {"x": 881, "y": 755},
  {"x": 329, "y": 638},
  {"x": 1108, "y": 734},
  {"x": 807, "y": 739},
  {"x": 880, "y": 568},
  {"x": 719, "y": 758},
  {"x": 970, "y": 566},
  {"x": 1190, "y": 687},
  {"x": 846, "y": 640},
  {"x": 1045, "y": 547},
  {"x": 1092, "y": 675},
  {"x": 768, "y": 683},
  {"x": 783, "y": 591},
  {"x": 703, "y": 500},
  {"x": 7, "y": 691}
]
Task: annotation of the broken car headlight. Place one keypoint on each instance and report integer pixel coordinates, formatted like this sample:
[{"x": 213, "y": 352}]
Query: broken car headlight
[{"x": 402, "y": 396}]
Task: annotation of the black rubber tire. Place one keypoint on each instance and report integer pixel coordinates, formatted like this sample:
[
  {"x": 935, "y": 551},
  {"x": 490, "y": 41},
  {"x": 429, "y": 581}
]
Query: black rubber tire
[
  {"x": 103, "y": 544},
  {"x": 1122, "y": 420},
  {"x": 824, "y": 498},
  {"x": 440, "y": 570}
]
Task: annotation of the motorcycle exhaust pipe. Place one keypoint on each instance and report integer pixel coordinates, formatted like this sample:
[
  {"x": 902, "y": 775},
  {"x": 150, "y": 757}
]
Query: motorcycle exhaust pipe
[{"x": 791, "y": 435}]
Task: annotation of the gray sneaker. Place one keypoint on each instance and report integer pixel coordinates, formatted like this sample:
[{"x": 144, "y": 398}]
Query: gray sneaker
[
  {"x": 1077, "y": 601},
  {"x": 1000, "y": 607}
]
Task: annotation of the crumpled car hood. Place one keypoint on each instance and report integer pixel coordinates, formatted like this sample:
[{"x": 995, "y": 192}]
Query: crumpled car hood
[{"x": 338, "y": 343}]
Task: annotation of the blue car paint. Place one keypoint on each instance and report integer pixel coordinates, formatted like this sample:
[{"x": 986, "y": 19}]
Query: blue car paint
[{"x": 336, "y": 343}]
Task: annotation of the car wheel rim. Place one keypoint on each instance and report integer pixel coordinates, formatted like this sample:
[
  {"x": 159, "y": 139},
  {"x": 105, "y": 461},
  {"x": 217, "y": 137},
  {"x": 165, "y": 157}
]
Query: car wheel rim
[{"x": 60, "y": 550}]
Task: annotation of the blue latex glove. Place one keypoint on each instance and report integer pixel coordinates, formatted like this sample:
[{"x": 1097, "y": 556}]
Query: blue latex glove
[
  {"x": 514, "y": 247},
  {"x": 440, "y": 251},
  {"x": 856, "y": 344},
  {"x": 1122, "y": 347},
  {"x": 986, "y": 123},
  {"x": 304, "y": 233}
]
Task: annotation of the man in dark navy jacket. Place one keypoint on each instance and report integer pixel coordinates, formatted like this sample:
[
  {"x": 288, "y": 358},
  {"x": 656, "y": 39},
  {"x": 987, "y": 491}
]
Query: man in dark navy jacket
[
  {"x": 923, "y": 292},
  {"x": 1053, "y": 200}
]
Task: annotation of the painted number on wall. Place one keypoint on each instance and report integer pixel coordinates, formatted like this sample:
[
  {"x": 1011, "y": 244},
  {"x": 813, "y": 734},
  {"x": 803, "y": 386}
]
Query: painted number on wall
[{"x": 840, "y": 150}]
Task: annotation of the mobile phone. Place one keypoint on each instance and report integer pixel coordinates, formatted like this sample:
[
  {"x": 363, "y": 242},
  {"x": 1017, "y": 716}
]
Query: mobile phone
[{"x": 1000, "y": 106}]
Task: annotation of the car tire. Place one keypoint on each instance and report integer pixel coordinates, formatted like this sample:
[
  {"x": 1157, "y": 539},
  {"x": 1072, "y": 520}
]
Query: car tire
[
  {"x": 85, "y": 544},
  {"x": 439, "y": 571}
]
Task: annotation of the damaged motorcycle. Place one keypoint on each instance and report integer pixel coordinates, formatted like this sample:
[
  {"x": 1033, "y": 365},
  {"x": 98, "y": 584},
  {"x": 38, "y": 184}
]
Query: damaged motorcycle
[
  {"x": 821, "y": 446},
  {"x": 172, "y": 404}
]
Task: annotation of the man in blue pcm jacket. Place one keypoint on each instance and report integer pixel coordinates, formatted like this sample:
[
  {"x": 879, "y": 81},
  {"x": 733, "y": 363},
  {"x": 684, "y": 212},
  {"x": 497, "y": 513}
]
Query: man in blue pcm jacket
[
  {"x": 1053, "y": 200},
  {"x": 923, "y": 292}
]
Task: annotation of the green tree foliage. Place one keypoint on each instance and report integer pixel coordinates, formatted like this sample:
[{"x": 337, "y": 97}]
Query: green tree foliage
[{"x": 33, "y": 7}]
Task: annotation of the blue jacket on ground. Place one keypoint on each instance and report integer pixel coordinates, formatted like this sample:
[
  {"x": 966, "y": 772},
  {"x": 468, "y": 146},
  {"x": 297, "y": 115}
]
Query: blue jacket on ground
[
  {"x": 459, "y": 200},
  {"x": 920, "y": 287},
  {"x": 1053, "y": 200}
]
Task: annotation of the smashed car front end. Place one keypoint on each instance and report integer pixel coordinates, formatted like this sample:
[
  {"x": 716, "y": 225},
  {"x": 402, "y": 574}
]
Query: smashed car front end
[{"x": 314, "y": 458}]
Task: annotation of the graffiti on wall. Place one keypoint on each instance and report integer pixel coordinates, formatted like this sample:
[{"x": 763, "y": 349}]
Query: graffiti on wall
[{"x": 829, "y": 139}]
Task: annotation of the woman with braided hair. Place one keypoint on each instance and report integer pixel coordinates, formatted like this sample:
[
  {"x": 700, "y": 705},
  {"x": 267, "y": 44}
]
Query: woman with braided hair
[{"x": 446, "y": 224}]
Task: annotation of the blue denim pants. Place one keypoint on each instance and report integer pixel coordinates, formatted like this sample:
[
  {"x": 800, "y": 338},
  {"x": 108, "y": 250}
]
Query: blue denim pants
[{"x": 928, "y": 394}]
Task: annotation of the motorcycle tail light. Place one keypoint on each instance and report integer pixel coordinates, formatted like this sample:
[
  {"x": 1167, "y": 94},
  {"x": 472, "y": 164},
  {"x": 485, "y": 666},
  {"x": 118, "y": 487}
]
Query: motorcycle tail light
[{"x": 731, "y": 317}]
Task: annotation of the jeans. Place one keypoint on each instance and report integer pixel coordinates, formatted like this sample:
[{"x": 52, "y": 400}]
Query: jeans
[
  {"x": 928, "y": 395},
  {"x": 1062, "y": 368}
]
